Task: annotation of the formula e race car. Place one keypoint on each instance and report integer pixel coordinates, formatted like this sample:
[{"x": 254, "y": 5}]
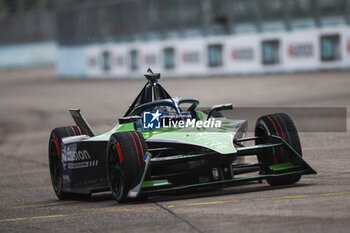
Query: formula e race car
[{"x": 164, "y": 144}]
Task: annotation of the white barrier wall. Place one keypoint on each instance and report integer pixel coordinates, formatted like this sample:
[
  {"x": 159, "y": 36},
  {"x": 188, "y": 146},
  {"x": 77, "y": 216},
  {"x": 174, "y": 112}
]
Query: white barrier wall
[
  {"x": 28, "y": 55},
  {"x": 304, "y": 50}
]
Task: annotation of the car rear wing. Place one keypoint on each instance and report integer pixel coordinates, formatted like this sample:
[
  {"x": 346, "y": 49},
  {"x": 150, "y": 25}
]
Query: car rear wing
[{"x": 81, "y": 122}]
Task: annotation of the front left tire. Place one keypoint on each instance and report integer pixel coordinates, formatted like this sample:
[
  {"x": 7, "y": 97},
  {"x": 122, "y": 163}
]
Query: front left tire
[{"x": 125, "y": 152}]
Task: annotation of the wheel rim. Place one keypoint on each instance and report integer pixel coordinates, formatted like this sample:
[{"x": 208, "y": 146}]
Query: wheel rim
[
  {"x": 55, "y": 168},
  {"x": 114, "y": 171}
]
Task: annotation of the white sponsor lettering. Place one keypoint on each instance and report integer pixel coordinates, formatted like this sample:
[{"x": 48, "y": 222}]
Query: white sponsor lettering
[
  {"x": 69, "y": 153},
  {"x": 91, "y": 163},
  {"x": 73, "y": 158}
]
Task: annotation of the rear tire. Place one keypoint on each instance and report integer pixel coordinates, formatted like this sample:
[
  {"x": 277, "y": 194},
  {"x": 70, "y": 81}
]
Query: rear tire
[
  {"x": 125, "y": 152},
  {"x": 55, "y": 162},
  {"x": 278, "y": 124}
]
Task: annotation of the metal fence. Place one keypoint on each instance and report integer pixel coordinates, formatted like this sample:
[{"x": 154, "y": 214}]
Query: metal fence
[
  {"x": 88, "y": 21},
  {"x": 23, "y": 21},
  {"x": 99, "y": 21},
  {"x": 27, "y": 27}
]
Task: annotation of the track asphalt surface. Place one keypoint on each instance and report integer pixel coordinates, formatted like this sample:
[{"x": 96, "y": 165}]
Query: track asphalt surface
[{"x": 32, "y": 102}]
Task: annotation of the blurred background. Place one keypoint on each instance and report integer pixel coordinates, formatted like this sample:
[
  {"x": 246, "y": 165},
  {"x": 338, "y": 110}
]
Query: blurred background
[
  {"x": 181, "y": 38},
  {"x": 89, "y": 54}
]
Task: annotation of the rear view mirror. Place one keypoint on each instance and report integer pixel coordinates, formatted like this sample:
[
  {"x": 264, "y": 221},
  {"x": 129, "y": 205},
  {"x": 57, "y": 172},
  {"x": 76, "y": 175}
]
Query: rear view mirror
[{"x": 220, "y": 107}]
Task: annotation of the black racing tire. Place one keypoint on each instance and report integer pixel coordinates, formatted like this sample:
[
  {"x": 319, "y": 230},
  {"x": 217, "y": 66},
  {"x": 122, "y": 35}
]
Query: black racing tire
[
  {"x": 124, "y": 154},
  {"x": 278, "y": 124},
  {"x": 55, "y": 162}
]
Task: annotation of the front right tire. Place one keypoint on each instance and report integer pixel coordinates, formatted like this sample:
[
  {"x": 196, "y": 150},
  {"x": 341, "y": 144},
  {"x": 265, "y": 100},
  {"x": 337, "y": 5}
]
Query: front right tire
[{"x": 281, "y": 125}]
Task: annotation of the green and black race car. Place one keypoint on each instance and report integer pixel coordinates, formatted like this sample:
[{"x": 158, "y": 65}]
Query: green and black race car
[{"x": 164, "y": 144}]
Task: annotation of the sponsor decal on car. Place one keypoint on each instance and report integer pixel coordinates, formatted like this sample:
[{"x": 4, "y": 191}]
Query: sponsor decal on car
[
  {"x": 73, "y": 158},
  {"x": 91, "y": 163}
]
